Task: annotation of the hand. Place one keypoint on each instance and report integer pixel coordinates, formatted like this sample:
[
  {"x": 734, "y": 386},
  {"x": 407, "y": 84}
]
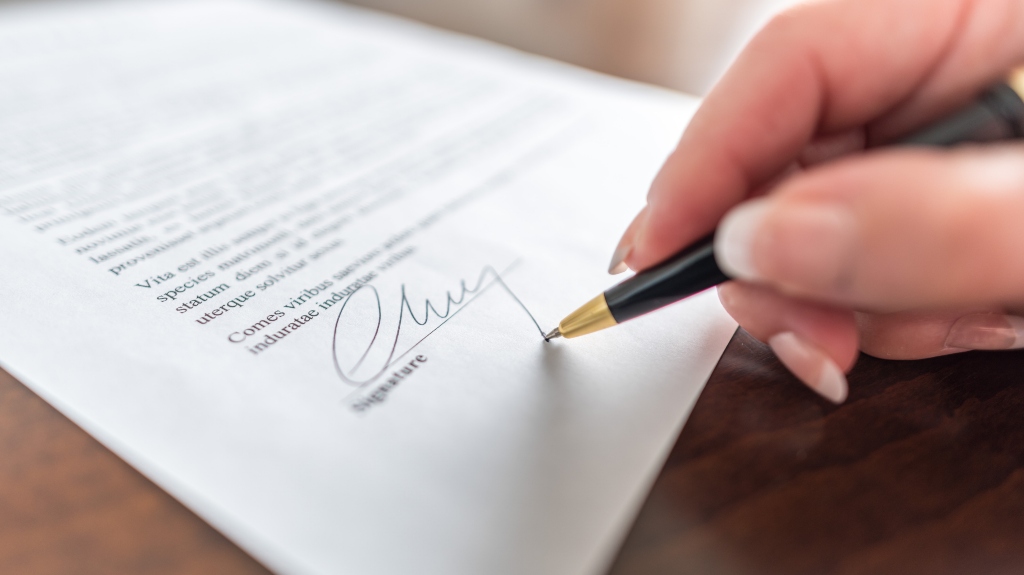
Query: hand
[{"x": 903, "y": 253}]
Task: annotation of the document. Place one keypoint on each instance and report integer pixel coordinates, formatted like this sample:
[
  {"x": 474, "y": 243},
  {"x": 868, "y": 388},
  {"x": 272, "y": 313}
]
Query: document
[{"x": 293, "y": 261}]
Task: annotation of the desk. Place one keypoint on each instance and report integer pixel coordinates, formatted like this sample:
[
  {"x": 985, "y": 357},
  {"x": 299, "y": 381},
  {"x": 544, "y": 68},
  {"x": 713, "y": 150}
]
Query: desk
[{"x": 921, "y": 471}]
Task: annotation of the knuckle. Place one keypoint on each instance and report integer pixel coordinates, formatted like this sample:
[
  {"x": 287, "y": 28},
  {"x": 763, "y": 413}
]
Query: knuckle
[
  {"x": 904, "y": 335},
  {"x": 781, "y": 24},
  {"x": 874, "y": 339}
]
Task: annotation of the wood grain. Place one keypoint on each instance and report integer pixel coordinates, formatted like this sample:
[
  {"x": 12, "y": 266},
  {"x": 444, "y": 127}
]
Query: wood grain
[
  {"x": 68, "y": 506},
  {"x": 921, "y": 471}
]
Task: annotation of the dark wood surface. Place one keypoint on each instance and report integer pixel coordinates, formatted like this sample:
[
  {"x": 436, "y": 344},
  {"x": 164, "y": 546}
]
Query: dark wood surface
[{"x": 921, "y": 471}]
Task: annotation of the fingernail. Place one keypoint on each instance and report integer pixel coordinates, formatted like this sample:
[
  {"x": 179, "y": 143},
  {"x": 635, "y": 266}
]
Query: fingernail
[
  {"x": 807, "y": 247},
  {"x": 987, "y": 331},
  {"x": 735, "y": 239},
  {"x": 622, "y": 251},
  {"x": 811, "y": 366},
  {"x": 618, "y": 264}
]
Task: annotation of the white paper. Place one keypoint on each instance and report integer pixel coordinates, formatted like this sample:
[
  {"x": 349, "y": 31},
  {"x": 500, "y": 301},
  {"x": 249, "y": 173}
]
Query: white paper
[{"x": 174, "y": 174}]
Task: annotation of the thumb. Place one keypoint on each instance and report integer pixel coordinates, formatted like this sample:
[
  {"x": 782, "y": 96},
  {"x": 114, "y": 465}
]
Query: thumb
[{"x": 889, "y": 231}]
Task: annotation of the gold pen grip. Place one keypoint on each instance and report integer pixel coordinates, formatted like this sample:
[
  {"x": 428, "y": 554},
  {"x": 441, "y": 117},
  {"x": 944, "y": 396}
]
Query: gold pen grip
[
  {"x": 592, "y": 316},
  {"x": 1016, "y": 81}
]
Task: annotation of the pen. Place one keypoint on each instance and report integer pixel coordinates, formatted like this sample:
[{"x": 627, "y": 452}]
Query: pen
[{"x": 998, "y": 114}]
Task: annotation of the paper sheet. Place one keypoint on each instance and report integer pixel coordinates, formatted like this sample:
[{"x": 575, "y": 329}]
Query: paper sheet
[{"x": 292, "y": 261}]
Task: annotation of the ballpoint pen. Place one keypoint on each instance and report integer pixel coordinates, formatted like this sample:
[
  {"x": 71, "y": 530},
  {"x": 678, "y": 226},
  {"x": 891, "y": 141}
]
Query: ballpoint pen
[{"x": 998, "y": 114}]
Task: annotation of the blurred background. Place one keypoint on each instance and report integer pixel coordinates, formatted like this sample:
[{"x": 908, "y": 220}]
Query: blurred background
[{"x": 680, "y": 44}]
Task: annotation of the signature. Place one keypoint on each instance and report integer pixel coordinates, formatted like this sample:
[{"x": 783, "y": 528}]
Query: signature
[{"x": 356, "y": 322}]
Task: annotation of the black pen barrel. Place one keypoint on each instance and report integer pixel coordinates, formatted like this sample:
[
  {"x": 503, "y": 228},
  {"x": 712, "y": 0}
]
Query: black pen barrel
[
  {"x": 690, "y": 271},
  {"x": 997, "y": 115}
]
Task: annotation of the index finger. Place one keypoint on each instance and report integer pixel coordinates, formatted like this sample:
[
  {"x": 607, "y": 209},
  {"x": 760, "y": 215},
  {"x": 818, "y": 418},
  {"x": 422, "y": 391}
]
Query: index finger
[{"x": 821, "y": 69}]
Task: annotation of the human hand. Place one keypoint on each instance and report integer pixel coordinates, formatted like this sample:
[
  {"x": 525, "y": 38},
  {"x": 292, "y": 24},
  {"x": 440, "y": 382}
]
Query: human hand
[{"x": 903, "y": 253}]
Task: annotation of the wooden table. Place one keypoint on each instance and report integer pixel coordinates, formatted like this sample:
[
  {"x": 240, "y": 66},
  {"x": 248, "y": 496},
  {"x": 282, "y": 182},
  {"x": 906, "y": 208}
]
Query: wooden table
[{"x": 921, "y": 471}]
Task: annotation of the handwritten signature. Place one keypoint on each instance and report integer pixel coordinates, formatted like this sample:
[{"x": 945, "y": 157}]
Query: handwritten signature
[{"x": 351, "y": 324}]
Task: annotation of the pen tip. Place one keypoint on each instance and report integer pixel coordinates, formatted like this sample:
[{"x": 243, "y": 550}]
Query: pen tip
[{"x": 553, "y": 334}]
